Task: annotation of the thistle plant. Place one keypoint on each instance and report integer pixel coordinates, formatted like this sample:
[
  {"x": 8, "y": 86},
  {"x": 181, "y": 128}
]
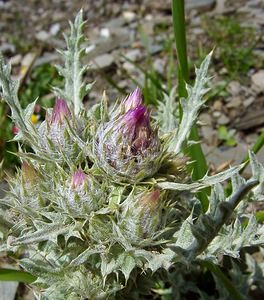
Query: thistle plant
[{"x": 104, "y": 201}]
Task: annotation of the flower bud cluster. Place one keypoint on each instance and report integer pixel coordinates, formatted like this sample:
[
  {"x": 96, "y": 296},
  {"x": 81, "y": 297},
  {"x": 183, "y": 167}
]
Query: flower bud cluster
[{"x": 127, "y": 147}]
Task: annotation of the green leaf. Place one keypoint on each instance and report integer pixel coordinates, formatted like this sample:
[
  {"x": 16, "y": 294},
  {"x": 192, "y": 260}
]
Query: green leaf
[
  {"x": 16, "y": 275},
  {"x": 202, "y": 183}
]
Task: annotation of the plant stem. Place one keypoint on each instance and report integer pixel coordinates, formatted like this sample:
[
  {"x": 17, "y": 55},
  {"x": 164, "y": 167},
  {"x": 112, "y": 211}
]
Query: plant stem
[{"x": 195, "y": 151}]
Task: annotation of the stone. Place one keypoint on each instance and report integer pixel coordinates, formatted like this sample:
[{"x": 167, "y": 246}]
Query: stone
[
  {"x": 129, "y": 16},
  {"x": 223, "y": 120},
  {"x": 47, "y": 57},
  {"x": 15, "y": 60},
  {"x": 6, "y": 48},
  {"x": 234, "y": 102},
  {"x": 217, "y": 105},
  {"x": 234, "y": 88},
  {"x": 200, "y": 5},
  {"x": 103, "y": 62},
  {"x": 42, "y": 35},
  {"x": 205, "y": 119},
  {"x": 133, "y": 55},
  {"x": 258, "y": 81},
  {"x": 128, "y": 66},
  {"x": 209, "y": 134},
  {"x": 148, "y": 28},
  {"x": 54, "y": 29},
  {"x": 105, "y": 32},
  {"x": 159, "y": 66},
  {"x": 8, "y": 290},
  {"x": 155, "y": 49},
  {"x": 217, "y": 114},
  {"x": 248, "y": 101}
]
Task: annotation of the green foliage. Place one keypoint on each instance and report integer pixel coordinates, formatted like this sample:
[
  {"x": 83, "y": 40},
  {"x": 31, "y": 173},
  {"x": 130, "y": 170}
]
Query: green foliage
[
  {"x": 234, "y": 44},
  {"x": 227, "y": 136}
]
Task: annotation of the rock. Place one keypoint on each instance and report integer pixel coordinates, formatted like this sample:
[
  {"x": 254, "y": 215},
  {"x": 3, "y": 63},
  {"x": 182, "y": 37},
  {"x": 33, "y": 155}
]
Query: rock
[
  {"x": 6, "y": 48},
  {"x": 159, "y": 66},
  {"x": 200, "y": 5},
  {"x": 54, "y": 29},
  {"x": 8, "y": 290},
  {"x": 89, "y": 48},
  {"x": 133, "y": 55},
  {"x": 234, "y": 88},
  {"x": 217, "y": 114},
  {"x": 129, "y": 16},
  {"x": 223, "y": 120},
  {"x": 209, "y": 134},
  {"x": 103, "y": 62},
  {"x": 128, "y": 66},
  {"x": 105, "y": 32},
  {"x": 15, "y": 60},
  {"x": 217, "y": 105},
  {"x": 258, "y": 81},
  {"x": 251, "y": 119},
  {"x": 155, "y": 49},
  {"x": 234, "y": 102},
  {"x": 205, "y": 119},
  {"x": 42, "y": 36},
  {"x": 47, "y": 57},
  {"x": 117, "y": 22},
  {"x": 248, "y": 101},
  {"x": 148, "y": 28}
]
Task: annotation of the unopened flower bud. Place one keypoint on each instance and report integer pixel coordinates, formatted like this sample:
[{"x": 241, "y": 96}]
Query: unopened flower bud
[
  {"x": 127, "y": 147},
  {"x": 78, "y": 179},
  {"x": 82, "y": 194},
  {"x": 60, "y": 111},
  {"x": 133, "y": 100},
  {"x": 141, "y": 215},
  {"x": 15, "y": 129}
]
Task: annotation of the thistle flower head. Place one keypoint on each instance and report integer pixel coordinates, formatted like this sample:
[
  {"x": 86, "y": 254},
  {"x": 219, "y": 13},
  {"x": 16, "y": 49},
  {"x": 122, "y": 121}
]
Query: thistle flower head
[
  {"x": 60, "y": 111},
  {"x": 141, "y": 215},
  {"x": 151, "y": 201},
  {"x": 127, "y": 146},
  {"x": 133, "y": 100},
  {"x": 78, "y": 179}
]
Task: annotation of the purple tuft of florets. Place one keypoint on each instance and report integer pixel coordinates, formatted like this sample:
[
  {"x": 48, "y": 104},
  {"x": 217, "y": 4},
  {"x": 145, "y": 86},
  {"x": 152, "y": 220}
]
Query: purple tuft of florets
[
  {"x": 78, "y": 179},
  {"x": 133, "y": 100},
  {"x": 60, "y": 111},
  {"x": 136, "y": 129}
]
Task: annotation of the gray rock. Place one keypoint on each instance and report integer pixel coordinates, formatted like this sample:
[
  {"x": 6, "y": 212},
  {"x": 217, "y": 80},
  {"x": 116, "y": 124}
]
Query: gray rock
[
  {"x": 134, "y": 54},
  {"x": 258, "y": 81},
  {"x": 234, "y": 88},
  {"x": 209, "y": 134},
  {"x": 54, "y": 29},
  {"x": 8, "y": 290},
  {"x": 200, "y": 5},
  {"x": 42, "y": 35},
  {"x": 6, "y": 47},
  {"x": 103, "y": 62},
  {"x": 159, "y": 66},
  {"x": 128, "y": 66},
  {"x": 234, "y": 102},
  {"x": 223, "y": 120},
  {"x": 155, "y": 49},
  {"x": 248, "y": 101},
  {"x": 129, "y": 16},
  {"x": 15, "y": 60}
]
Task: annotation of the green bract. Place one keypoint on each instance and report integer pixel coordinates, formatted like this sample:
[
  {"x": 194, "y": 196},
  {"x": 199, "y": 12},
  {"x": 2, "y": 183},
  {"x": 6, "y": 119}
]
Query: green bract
[{"x": 103, "y": 201}]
